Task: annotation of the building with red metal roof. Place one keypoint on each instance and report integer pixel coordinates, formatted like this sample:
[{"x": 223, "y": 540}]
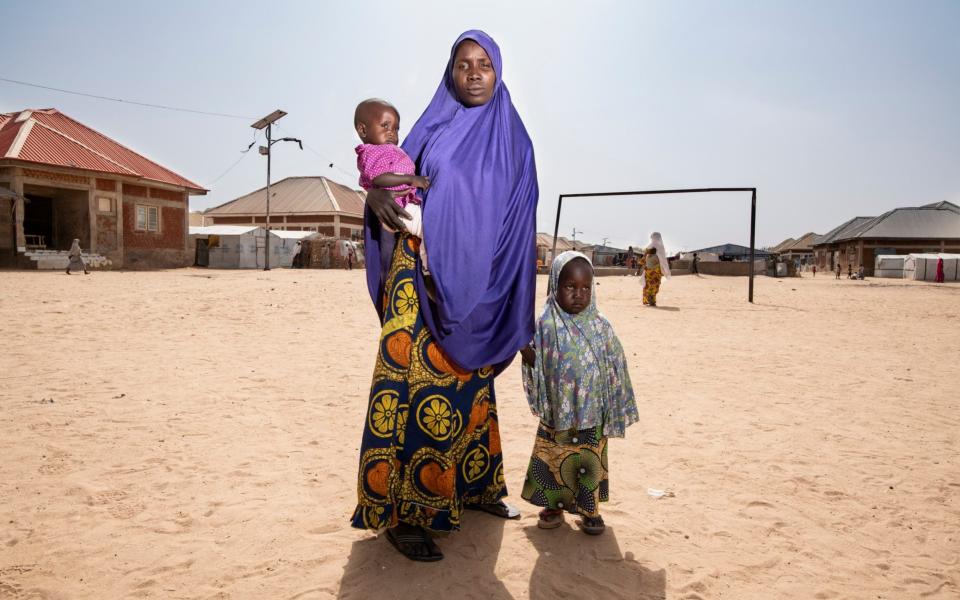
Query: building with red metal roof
[{"x": 70, "y": 181}]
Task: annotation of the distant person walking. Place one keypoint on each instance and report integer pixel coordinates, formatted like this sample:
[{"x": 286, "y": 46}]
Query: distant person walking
[
  {"x": 838, "y": 270},
  {"x": 76, "y": 258},
  {"x": 939, "y": 278},
  {"x": 694, "y": 268},
  {"x": 814, "y": 270},
  {"x": 653, "y": 267}
]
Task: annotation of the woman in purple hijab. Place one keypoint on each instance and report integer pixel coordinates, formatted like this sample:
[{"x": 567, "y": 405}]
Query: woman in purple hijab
[{"x": 431, "y": 444}]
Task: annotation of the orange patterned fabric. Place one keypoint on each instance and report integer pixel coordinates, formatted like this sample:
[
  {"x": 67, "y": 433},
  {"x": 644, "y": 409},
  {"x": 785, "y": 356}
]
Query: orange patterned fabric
[{"x": 431, "y": 442}]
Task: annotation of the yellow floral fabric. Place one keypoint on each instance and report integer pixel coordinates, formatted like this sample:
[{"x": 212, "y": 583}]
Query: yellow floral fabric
[{"x": 431, "y": 442}]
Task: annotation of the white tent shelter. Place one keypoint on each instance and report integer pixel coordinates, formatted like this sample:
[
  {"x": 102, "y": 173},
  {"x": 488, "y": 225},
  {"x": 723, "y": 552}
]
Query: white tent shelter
[
  {"x": 889, "y": 265},
  {"x": 923, "y": 267},
  {"x": 241, "y": 246}
]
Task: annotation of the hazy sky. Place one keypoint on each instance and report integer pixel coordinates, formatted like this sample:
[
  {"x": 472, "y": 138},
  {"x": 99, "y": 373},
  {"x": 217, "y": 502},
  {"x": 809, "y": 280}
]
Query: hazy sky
[{"x": 831, "y": 109}]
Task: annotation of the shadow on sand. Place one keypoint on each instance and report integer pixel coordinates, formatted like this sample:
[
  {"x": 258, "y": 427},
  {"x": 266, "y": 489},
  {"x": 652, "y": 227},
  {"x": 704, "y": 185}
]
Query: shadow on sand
[
  {"x": 375, "y": 569},
  {"x": 573, "y": 565}
]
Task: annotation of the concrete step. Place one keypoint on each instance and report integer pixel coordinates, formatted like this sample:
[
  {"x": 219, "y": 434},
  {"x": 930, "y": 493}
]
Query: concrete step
[{"x": 53, "y": 260}]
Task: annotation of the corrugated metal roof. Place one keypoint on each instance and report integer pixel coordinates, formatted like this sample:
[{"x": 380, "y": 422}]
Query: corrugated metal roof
[
  {"x": 783, "y": 245},
  {"x": 921, "y": 222},
  {"x": 563, "y": 244},
  {"x": 296, "y": 195},
  {"x": 50, "y": 137},
  {"x": 802, "y": 244},
  {"x": 940, "y": 220},
  {"x": 733, "y": 250},
  {"x": 833, "y": 235}
]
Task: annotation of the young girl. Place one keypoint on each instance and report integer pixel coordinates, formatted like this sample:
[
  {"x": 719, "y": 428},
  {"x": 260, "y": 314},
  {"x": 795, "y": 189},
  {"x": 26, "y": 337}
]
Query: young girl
[
  {"x": 383, "y": 164},
  {"x": 576, "y": 380},
  {"x": 654, "y": 267}
]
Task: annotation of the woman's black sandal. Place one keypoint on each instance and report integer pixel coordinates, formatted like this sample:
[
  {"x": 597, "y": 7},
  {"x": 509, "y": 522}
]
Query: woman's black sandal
[
  {"x": 592, "y": 525},
  {"x": 415, "y": 537}
]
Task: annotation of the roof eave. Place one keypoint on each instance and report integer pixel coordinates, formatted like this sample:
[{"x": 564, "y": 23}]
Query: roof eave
[{"x": 15, "y": 162}]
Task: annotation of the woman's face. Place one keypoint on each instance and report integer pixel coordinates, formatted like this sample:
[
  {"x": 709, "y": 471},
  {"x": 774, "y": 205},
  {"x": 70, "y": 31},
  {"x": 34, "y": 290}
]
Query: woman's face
[
  {"x": 473, "y": 74},
  {"x": 575, "y": 286}
]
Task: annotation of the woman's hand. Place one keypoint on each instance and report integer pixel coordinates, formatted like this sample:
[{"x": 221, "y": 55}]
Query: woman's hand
[
  {"x": 528, "y": 354},
  {"x": 382, "y": 204}
]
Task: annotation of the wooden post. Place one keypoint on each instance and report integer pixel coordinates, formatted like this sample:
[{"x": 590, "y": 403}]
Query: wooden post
[
  {"x": 92, "y": 210},
  {"x": 18, "y": 212}
]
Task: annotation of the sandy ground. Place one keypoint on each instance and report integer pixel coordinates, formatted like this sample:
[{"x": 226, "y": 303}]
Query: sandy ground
[{"x": 194, "y": 434}]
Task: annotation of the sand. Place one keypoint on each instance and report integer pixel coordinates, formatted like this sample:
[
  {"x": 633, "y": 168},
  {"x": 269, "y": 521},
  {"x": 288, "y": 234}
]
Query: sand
[{"x": 194, "y": 434}]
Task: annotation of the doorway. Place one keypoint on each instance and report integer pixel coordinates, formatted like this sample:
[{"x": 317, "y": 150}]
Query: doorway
[{"x": 54, "y": 217}]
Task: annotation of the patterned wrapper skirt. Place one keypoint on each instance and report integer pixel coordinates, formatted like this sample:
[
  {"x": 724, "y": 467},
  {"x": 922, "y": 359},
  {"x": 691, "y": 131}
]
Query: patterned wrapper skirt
[
  {"x": 651, "y": 284},
  {"x": 431, "y": 442},
  {"x": 568, "y": 470}
]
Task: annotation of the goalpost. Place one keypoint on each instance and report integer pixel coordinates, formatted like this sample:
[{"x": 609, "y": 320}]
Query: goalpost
[{"x": 753, "y": 214}]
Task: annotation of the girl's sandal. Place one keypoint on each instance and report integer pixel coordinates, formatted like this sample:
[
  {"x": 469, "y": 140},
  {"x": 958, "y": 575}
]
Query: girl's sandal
[
  {"x": 592, "y": 525},
  {"x": 550, "y": 518}
]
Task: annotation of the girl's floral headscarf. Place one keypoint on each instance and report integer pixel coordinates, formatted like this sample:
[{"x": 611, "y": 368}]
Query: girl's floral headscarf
[{"x": 580, "y": 378}]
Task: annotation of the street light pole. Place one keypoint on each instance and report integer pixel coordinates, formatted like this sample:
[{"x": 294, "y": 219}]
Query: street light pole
[
  {"x": 266, "y": 243},
  {"x": 267, "y": 122}
]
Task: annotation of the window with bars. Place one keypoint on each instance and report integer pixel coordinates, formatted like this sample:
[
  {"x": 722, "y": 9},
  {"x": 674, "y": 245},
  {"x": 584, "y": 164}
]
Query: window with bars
[{"x": 148, "y": 218}]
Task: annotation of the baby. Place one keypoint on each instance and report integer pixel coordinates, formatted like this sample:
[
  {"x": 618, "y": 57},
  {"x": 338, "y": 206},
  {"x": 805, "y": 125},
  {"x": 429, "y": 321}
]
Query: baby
[{"x": 382, "y": 164}]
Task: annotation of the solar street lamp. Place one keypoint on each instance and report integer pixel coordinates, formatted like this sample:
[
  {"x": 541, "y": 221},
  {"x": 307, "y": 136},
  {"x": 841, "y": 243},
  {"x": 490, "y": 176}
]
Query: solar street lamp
[{"x": 267, "y": 123}]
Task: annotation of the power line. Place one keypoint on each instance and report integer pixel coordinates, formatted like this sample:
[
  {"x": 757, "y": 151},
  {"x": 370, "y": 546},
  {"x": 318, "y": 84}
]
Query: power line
[
  {"x": 330, "y": 163},
  {"x": 325, "y": 159},
  {"x": 121, "y": 100},
  {"x": 243, "y": 155}
]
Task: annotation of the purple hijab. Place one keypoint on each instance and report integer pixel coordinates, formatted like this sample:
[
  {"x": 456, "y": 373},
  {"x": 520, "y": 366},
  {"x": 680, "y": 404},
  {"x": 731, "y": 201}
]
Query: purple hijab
[{"x": 479, "y": 222}]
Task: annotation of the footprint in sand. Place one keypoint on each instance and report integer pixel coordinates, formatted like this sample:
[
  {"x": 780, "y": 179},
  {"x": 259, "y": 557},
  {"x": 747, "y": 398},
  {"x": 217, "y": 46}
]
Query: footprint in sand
[
  {"x": 56, "y": 462},
  {"x": 124, "y": 510},
  {"x": 10, "y": 590},
  {"x": 117, "y": 504}
]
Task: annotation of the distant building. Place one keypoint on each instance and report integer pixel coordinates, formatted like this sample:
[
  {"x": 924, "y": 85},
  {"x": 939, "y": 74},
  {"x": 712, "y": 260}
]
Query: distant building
[
  {"x": 299, "y": 204},
  {"x": 545, "y": 246},
  {"x": 797, "y": 249},
  {"x": 67, "y": 181},
  {"x": 607, "y": 256},
  {"x": 929, "y": 228},
  {"x": 732, "y": 252},
  {"x": 196, "y": 219}
]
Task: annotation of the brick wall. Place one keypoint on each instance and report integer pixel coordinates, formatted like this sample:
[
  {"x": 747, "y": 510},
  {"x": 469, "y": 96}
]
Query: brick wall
[
  {"x": 6, "y": 224},
  {"x": 171, "y": 235},
  {"x": 167, "y": 195},
  {"x": 134, "y": 190},
  {"x": 106, "y": 233}
]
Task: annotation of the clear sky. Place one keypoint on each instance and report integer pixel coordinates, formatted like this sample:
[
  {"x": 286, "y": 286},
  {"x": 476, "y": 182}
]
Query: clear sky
[{"x": 831, "y": 109}]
